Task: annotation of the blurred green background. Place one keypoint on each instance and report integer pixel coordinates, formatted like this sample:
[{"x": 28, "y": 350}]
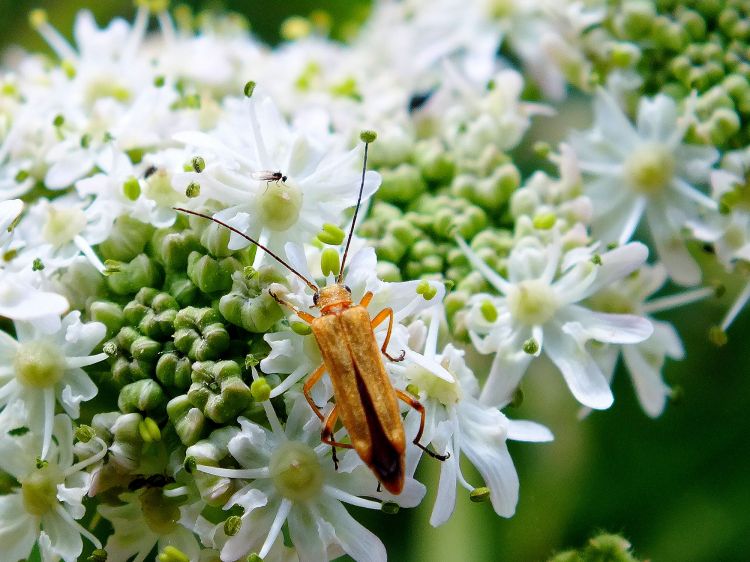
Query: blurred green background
[{"x": 676, "y": 487}]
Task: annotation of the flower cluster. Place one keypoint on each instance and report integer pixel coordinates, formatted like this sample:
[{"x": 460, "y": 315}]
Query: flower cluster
[{"x": 155, "y": 361}]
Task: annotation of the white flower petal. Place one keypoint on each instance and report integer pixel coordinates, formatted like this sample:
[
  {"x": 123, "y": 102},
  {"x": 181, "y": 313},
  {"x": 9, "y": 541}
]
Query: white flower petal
[
  {"x": 18, "y": 530},
  {"x": 445, "y": 499},
  {"x": 581, "y": 373},
  {"x": 529, "y": 431},
  {"x": 650, "y": 388},
  {"x": 603, "y": 327},
  {"x": 357, "y": 542},
  {"x": 65, "y": 538}
]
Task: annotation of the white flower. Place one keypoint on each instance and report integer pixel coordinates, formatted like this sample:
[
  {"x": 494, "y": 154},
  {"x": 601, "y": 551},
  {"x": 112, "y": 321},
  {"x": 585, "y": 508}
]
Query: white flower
[
  {"x": 293, "y": 480},
  {"x": 38, "y": 368},
  {"x": 538, "y": 312},
  {"x": 645, "y": 360},
  {"x": 50, "y": 496},
  {"x": 10, "y": 211},
  {"x": 24, "y": 297},
  {"x": 548, "y": 36},
  {"x": 457, "y": 422},
  {"x": 474, "y": 117},
  {"x": 631, "y": 170},
  {"x": 145, "y": 519},
  {"x": 322, "y": 180}
]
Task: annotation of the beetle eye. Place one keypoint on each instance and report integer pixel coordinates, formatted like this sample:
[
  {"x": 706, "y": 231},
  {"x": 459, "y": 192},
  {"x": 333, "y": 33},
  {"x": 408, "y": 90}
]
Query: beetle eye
[
  {"x": 315, "y": 298},
  {"x": 348, "y": 289}
]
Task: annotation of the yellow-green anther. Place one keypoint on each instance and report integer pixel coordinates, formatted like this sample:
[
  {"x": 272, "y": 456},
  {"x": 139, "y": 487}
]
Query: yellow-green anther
[
  {"x": 159, "y": 81},
  {"x": 37, "y": 18},
  {"x": 717, "y": 336},
  {"x": 37, "y": 265},
  {"x": 99, "y": 555},
  {"x": 479, "y": 495},
  {"x": 172, "y": 554},
  {"x": 430, "y": 293},
  {"x": 389, "y": 508},
  {"x": 251, "y": 361},
  {"x": 412, "y": 389},
  {"x": 249, "y": 88},
  {"x": 58, "y": 121},
  {"x": 85, "y": 140},
  {"x": 260, "y": 389},
  {"x": 22, "y": 176},
  {"x": 544, "y": 221},
  {"x": 41, "y": 463},
  {"x": 85, "y": 433},
  {"x": 423, "y": 287},
  {"x": 531, "y": 346},
  {"x": 301, "y": 328},
  {"x": 110, "y": 348},
  {"x": 232, "y": 525},
  {"x": 368, "y": 136},
  {"x": 193, "y": 189},
  {"x": 254, "y": 558},
  {"x": 330, "y": 263},
  {"x": 149, "y": 430},
  {"x": 190, "y": 464},
  {"x": 112, "y": 266},
  {"x": 331, "y": 234},
  {"x": 596, "y": 259},
  {"x": 249, "y": 272},
  {"x": 131, "y": 188},
  {"x": 488, "y": 310},
  {"x": 198, "y": 164}
]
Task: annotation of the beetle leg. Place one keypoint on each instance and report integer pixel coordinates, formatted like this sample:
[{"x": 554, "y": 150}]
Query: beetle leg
[
  {"x": 366, "y": 299},
  {"x": 303, "y": 315},
  {"x": 309, "y": 383},
  {"x": 382, "y": 315},
  {"x": 417, "y": 405},
  {"x": 326, "y": 435}
]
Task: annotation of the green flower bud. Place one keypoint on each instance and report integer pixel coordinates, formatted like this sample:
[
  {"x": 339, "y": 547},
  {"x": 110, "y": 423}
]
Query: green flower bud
[
  {"x": 193, "y": 189},
  {"x": 390, "y": 248},
  {"x": 368, "y": 136},
  {"x": 388, "y": 272},
  {"x": 330, "y": 263},
  {"x": 173, "y": 248},
  {"x": 145, "y": 349},
  {"x": 531, "y": 346},
  {"x": 199, "y": 333},
  {"x": 249, "y": 89},
  {"x": 331, "y": 234},
  {"x": 143, "y": 395},
  {"x": 436, "y": 164},
  {"x": 188, "y": 421},
  {"x": 159, "y": 81},
  {"x": 301, "y": 328},
  {"x": 127, "y": 239},
  {"x": 109, "y": 314},
  {"x": 140, "y": 272},
  {"x": 544, "y": 221},
  {"x": 249, "y": 305},
  {"x": 402, "y": 184},
  {"x": 260, "y": 389},
  {"x": 190, "y": 464},
  {"x": 211, "y": 275},
  {"x": 218, "y": 390},
  {"x": 413, "y": 389},
  {"x": 174, "y": 371},
  {"x": 405, "y": 232},
  {"x": 184, "y": 291}
]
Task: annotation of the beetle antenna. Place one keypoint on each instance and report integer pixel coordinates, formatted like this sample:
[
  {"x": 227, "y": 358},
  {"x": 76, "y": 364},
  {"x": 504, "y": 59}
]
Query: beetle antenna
[
  {"x": 367, "y": 137},
  {"x": 310, "y": 284}
]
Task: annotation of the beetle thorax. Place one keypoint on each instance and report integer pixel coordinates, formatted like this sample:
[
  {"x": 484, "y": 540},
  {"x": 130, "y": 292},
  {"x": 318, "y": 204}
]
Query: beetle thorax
[{"x": 334, "y": 298}]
